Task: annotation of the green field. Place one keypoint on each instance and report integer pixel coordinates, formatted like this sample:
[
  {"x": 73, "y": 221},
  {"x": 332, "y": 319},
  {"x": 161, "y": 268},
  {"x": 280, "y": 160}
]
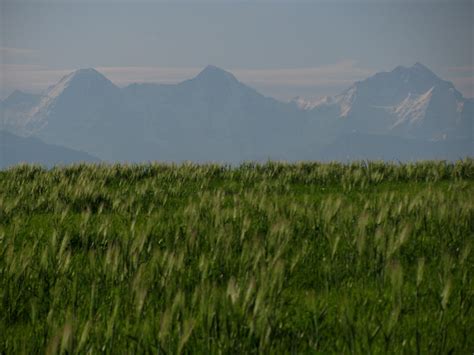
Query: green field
[{"x": 273, "y": 258}]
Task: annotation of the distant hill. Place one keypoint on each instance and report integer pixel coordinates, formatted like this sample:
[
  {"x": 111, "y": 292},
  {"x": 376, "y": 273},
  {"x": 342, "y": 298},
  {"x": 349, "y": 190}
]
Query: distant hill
[
  {"x": 15, "y": 150},
  {"x": 362, "y": 146},
  {"x": 215, "y": 117}
]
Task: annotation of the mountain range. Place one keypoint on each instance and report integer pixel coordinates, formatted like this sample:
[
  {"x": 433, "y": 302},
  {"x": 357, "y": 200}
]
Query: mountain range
[{"x": 408, "y": 113}]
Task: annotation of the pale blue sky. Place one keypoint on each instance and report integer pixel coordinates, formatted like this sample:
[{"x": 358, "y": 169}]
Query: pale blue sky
[{"x": 281, "y": 48}]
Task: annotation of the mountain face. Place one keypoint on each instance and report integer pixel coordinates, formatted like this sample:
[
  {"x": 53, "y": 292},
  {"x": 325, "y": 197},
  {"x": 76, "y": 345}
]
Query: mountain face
[
  {"x": 19, "y": 100},
  {"x": 214, "y": 117},
  {"x": 15, "y": 109},
  {"x": 406, "y": 102},
  {"x": 15, "y": 150},
  {"x": 83, "y": 111}
]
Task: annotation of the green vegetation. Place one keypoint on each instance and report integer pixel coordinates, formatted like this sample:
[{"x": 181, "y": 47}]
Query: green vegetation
[{"x": 273, "y": 258}]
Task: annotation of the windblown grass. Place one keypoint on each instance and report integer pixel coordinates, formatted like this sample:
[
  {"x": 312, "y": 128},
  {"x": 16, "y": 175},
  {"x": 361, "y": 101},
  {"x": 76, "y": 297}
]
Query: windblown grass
[{"x": 273, "y": 258}]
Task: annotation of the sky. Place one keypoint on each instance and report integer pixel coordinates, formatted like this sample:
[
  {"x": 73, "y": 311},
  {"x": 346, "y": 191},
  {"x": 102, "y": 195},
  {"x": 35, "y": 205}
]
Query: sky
[{"x": 283, "y": 49}]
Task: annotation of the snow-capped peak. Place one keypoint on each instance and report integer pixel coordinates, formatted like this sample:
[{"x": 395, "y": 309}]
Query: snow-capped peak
[
  {"x": 82, "y": 77},
  {"x": 80, "y": 82}
]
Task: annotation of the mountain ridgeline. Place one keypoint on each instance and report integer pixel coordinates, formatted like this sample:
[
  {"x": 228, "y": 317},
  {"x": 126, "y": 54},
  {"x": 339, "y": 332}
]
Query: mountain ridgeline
[
  {"x": 406, "y": 114},
  {"x": 15, "y": 150}
]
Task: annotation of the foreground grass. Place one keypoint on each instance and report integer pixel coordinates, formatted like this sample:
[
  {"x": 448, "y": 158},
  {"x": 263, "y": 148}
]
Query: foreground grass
[{"x": 272, "y": 258}]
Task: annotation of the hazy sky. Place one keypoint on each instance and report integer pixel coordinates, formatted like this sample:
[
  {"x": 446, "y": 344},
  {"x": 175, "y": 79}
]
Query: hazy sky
[{"x": 281, "y": 48}]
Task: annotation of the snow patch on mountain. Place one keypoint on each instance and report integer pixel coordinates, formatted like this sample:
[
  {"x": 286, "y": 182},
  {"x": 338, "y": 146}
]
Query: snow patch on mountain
[
  {"x": 50, "y": 95},
  {"x": 346, "y": 101},
  {"x": 307, "y": 105},
  {"x": 83, "y": 80},
  {"x": 412, "y": 109},
  {"x": 343, "y": 101}
]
